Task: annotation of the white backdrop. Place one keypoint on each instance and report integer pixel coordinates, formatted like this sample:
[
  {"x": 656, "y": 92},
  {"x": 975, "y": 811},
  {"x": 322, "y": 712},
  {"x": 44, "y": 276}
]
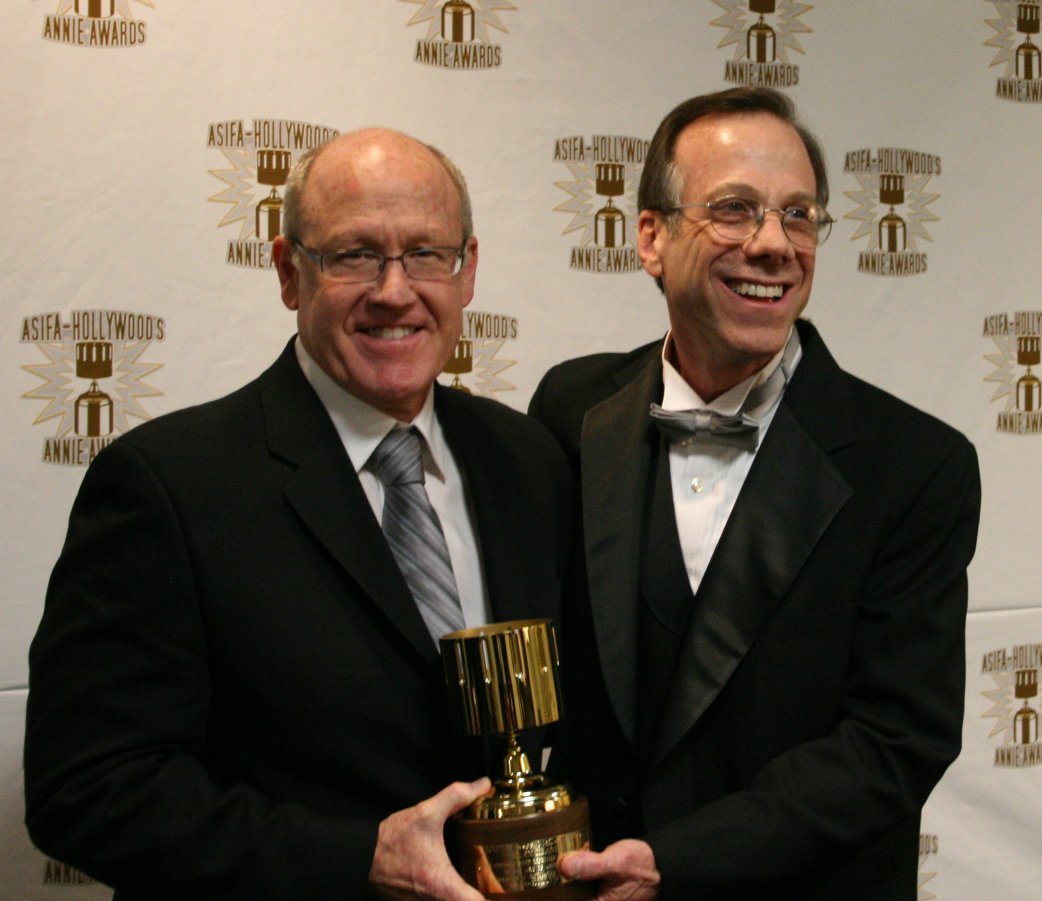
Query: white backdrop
[{"x": 131, "y": 146}]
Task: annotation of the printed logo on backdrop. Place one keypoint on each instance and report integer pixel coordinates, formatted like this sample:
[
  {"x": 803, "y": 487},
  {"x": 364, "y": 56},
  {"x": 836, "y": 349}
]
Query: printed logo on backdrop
[
  {"x": 892, "y": 208},
  {"x": 259, "y": 154},
  {"x": 764, "y": 34},
  {"x": 458, "y": 33},
  {"x": 602, "y": 200},
  {"x": 1012, "y": 676},
  {"x": 928, "y": 845},
  {"x": 1017, "y": 339},
  {"x": 94, "y": 377},
  {"x": 1016, "y": 40},
  {"x": 57, "y": 873},
  {"x": 476, "y": 366},
  {"x": 97, "y": 23}
]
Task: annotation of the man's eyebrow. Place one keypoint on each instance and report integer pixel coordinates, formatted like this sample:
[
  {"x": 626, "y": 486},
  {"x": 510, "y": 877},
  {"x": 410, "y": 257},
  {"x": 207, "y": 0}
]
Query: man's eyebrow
[{"x": 741, "y": 189}]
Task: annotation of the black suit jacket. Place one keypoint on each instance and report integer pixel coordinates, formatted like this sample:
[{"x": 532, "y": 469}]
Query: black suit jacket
[
  {"x": 231, "y": 684},
  {"x": 818, "y": 691}
]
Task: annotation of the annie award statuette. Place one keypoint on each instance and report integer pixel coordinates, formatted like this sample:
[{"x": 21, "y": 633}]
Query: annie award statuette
[{"x": 502, "y": 678}]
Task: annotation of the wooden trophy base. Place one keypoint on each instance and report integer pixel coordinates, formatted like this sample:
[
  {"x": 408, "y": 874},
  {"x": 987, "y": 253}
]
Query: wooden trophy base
[{"x": 514, "y": 857}]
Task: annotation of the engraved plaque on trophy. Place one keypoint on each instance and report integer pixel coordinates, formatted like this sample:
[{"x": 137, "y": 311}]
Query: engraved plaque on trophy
[{"x": 503, "y": 678}]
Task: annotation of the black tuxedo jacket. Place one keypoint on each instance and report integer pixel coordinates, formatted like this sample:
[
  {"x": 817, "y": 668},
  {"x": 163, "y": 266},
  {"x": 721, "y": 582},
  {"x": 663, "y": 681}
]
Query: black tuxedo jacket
[
  {"x": 818, "y": 692},
  {"x": 231, "y": 684}
]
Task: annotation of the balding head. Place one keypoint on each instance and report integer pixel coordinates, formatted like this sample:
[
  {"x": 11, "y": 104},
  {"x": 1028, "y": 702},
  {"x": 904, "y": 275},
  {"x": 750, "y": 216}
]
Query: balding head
[{"x": 372, "y": 144}]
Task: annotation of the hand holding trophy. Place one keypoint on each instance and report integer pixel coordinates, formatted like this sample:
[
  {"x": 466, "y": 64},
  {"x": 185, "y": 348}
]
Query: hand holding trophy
[{"x": 503, "y": 678}]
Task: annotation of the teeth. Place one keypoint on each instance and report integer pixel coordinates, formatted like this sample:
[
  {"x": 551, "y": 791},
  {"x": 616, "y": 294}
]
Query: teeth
[
  {"x": 399, "y": 331},
  {"x": 748, "y": 289}
]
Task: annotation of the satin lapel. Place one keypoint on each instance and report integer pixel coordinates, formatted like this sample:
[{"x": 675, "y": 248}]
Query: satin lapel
[
  {"x": 615, "y": 455},
  {"x": 500, "y": 517},
  {"x": 791, "y": 495},
  {"x": 327, "y": 496}
]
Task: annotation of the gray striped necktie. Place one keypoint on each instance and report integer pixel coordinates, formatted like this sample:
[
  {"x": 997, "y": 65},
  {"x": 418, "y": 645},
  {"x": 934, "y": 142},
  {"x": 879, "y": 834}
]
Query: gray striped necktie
[{"x": 414, "y": 533}]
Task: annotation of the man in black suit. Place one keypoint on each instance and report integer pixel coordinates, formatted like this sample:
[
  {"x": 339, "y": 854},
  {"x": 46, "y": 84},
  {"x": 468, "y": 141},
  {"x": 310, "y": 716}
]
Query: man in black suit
[
  {"x": 233, "y": 691},
  {"x": 764, "y": 665}
]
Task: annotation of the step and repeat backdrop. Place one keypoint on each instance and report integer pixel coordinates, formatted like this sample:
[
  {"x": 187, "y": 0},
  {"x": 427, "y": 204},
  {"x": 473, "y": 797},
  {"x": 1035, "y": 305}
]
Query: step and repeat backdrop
[{"x": 145, "y": 149}]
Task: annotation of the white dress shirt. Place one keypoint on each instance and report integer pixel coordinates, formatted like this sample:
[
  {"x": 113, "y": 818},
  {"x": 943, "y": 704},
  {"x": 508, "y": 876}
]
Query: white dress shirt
[
  {"x": 708, "y": 476},
  {"x": 361, "y": 428}
]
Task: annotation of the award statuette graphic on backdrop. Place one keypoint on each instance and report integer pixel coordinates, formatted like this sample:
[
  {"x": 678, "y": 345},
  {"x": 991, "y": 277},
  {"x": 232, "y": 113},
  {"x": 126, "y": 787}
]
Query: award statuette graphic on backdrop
[
  {"x": 503, "y": 678},
  {"x": 602, "y": 200},
  {"x": 1013, "y": 695},
  {"x": 1018, "y": 22},
  {"x": 1017, "y": 337},
  {"x": 259, "y": 154},
  {"x": 462, "y": 362},
  {"x": 761, "y": 54},
  {"x": 103, "y": 349},
  {"x": 891, "y": 178},
  {"x": 272, "y": 171},
  {"x": 477, "y": 366},
  {"x": 458, "y": 33},
  {"x": 760, "y": 39}
]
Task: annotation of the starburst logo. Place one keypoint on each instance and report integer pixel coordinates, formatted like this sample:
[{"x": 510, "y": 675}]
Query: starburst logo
[
  {"x": 96, "y": 23},
  {"x": 476, "y": 367},
  {"x": 458, "y": 32},
  {"x": 928, "y": 846},
  {"x": 1016, "y": 52},
  {"x": 1013, "y": 698},
  {"x": 892, "y": 208},
  {"x": 259, "y": 155},
  {"x": 1016, "y": 337},
  {"x": 94, "y": 377},
  {"x": 762, "y": 45},
  {"x": 602, "y": 200}
]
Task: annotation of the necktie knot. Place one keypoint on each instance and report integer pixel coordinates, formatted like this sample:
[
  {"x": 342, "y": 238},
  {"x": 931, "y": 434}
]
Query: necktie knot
[{"x": 398, "y": 459}]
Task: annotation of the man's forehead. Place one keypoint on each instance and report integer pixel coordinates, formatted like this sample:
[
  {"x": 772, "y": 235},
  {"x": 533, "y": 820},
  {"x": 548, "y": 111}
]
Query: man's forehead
[
  {"x": 380, "y": 183},
  {"x": 721, "y": 144},
  {"x": 734, "y": 131},
  {"x": 381, "y": 165}
]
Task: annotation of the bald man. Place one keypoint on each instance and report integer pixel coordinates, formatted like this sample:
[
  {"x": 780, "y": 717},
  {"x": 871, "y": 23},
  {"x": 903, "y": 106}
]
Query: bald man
[{"x": 235, "y": 690}]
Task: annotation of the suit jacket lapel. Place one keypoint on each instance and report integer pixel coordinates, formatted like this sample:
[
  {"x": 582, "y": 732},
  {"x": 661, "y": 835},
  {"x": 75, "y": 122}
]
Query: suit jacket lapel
[
  {"x": 327, "y": 496},
  {"x": 616, "y": 444},
  {"x": 792, "y": 493}
]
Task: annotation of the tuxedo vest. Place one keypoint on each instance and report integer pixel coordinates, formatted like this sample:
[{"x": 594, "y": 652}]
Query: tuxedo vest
[{"x": 666, "y": 601}]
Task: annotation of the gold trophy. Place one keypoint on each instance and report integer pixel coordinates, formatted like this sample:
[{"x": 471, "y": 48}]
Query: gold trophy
[{"x": 502, "y": 678}]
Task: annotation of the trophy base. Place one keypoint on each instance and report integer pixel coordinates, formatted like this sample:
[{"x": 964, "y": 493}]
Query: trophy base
[{"x": 516, "y": 856}]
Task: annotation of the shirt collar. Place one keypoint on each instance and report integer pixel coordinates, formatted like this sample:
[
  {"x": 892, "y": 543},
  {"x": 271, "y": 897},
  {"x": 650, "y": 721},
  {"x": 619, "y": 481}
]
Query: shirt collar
[
  {"x": 677, "y": 394},
  {"x": 362, "y": 427}
]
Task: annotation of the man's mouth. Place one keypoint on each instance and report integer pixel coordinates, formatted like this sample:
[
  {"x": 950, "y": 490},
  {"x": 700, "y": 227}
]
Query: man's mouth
[
  {"x": 397, "y": 331},
  {"x": 771, "y": 293}
]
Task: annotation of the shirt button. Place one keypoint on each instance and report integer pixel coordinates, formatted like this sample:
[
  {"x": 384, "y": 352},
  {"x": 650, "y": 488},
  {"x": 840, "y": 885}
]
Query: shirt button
[{"x": 697, "y": 485}]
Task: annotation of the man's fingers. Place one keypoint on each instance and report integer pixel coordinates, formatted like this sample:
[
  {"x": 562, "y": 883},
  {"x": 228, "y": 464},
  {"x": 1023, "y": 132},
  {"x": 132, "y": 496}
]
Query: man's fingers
[
  {"x": 581, "y": 865},
  {"x": 453, "y": 798},
  {"x": 410, "y": 860},
  {"x": 624, "y": 870}
]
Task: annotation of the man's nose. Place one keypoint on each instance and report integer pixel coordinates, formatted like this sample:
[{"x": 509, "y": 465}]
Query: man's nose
[
  {"x": 770, "y": 239},
  {"x": 393, "y": 285}
]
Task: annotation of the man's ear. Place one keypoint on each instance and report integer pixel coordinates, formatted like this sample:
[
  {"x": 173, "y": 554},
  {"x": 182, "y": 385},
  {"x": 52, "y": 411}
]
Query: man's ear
[
  {"x": 470, "y": 268},
  {"x": 282, "y": 254},
  {"x": 650, "y": 227}
]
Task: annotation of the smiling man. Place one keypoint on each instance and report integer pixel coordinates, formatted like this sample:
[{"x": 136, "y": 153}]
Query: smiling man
[
  {"x": 763, "y": 650},
  {"x": 235, "y": 690}
]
